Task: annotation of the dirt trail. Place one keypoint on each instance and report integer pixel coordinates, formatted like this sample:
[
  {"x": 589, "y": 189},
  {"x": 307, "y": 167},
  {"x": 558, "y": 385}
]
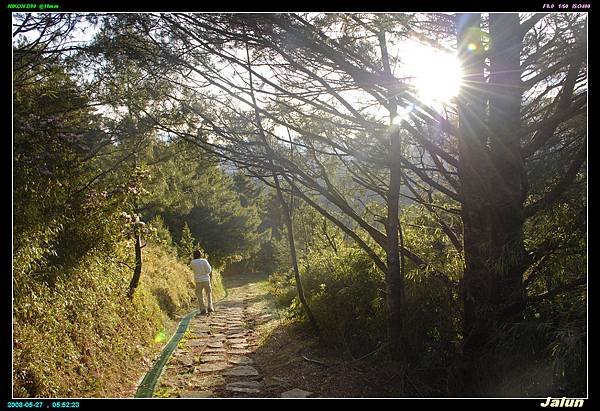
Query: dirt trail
[
  {"x": 245, "y": 349},
  {"x": 215, "y": 359}
]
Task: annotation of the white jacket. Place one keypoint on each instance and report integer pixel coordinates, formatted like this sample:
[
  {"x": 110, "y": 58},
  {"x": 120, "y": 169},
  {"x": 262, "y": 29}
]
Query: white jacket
[{"x": 201, "y": 268}]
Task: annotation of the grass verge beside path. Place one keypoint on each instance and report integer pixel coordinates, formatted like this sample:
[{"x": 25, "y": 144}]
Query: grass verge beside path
[{"x": 290, "y": 356}]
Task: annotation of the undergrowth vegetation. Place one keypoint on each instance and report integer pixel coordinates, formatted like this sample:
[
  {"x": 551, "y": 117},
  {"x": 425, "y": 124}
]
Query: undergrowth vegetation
[
  {"x": 346, "y": 293},
  {"x": 543, "y": 354},
  {"x": 128, "y": 154},
  {"x": 77, "y": 336}
]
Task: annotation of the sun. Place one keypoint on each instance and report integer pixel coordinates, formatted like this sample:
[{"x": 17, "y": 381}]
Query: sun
[
  {"x": 435, "y": 75},
  {"x": 438, "y": 78}
]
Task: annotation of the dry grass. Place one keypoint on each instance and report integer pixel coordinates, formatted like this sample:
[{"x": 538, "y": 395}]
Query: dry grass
[
  {"x": 288, "y": 355},
  {"x": 82, "y": 337}
]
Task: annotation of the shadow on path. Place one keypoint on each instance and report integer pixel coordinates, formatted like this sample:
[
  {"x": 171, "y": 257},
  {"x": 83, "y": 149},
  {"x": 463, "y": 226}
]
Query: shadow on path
[
  {"x": 215, "y": 359},
  {"x": 246, "y": 349},
  {"x": 240, "y": 280}
]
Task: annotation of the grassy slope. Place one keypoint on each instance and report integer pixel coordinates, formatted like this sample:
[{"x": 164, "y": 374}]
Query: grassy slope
[{"x": 81, "y": 337}]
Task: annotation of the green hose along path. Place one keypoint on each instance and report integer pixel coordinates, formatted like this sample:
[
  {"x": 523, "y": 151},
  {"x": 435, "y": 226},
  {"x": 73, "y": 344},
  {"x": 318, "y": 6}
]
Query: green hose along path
[{"x": 146, "y": 387}]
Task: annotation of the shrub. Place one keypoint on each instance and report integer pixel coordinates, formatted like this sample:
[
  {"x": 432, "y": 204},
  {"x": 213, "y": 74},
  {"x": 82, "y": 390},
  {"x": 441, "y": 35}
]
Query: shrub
[
  {"x": 81, "y": 335},
  {"x": 346, "y": 293}
]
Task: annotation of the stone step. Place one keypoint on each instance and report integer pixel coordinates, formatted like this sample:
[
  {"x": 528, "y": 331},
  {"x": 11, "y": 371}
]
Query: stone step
[
  {"x": 197, "y": 343},
  {"x": 196, "y": 394},
  {"x": 212, "y": 358},
  {"x": 296, "y": 393},
  {"x": 235, "y": 335},
  {"x": 250, "y": 387},
  {"x": 215, "y": 351},
  {"x": 201, "y": 329},
  {"x": 240, "y": 332},
  {"x": 236, "y": 340},
  {"x": 242, "y": 371},
  {"x": 236, "y": 351},
  {"x": 212, "y": 367},
  {"x": 241, "y": 360},
  {"x": 239, "y": 346}
]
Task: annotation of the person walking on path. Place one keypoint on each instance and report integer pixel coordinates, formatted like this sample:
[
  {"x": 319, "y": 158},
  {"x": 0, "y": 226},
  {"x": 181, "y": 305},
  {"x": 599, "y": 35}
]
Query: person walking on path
[{"x": 202, "y": 270}]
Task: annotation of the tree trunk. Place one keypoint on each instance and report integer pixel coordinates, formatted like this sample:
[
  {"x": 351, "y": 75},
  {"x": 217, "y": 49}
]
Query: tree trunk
[
  {"x": 137, "y": 270},
  {"x": 394, "y": 276},
  {"x": 287, "y": 216},
  {"x": 290, "y": 230},
  {"x": 492, "y": 179},
  {"x": 505, "y": 122}
]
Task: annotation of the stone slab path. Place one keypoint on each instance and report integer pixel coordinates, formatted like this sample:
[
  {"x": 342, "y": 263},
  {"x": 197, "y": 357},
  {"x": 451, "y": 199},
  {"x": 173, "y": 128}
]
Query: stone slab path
[{"x": 215, "y": 358}]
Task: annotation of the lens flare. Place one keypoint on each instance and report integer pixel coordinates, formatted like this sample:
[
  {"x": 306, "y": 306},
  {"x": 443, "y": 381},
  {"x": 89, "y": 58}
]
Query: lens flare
[
  {"x": 403, "y": 114},
  {"x": 160, "y": 337},
  {"x": 436, "y": 75}
]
